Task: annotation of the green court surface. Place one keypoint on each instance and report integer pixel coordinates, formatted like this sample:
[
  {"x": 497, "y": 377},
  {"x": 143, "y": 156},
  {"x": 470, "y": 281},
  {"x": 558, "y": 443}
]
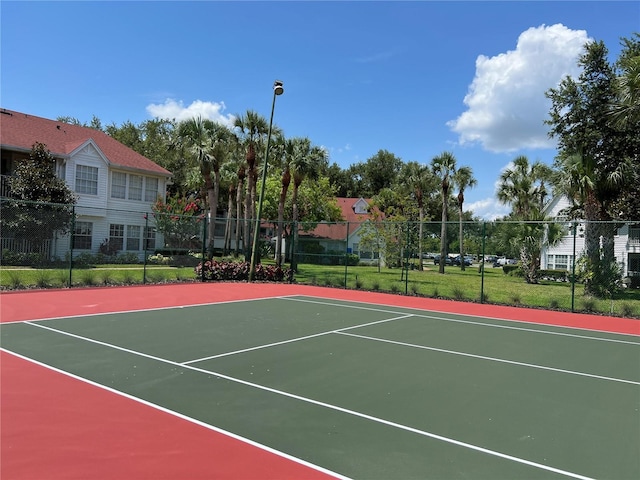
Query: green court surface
[{"x": 367, "y": 391}]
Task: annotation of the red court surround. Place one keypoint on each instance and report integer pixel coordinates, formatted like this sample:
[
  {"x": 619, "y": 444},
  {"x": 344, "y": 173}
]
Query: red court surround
[{"x": 57, "y": 427}]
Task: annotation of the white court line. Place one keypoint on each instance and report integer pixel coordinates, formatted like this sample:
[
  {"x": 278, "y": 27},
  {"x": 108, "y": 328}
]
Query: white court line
[
  {"x": 333, "y": 407},
  {"x": 153, "y": 309},
  {"x": 297, "y": 339},
  {"x": 507, "y": 327},
  {"x": 492, "y": 359},
  {"x": 183, "y": 417}
]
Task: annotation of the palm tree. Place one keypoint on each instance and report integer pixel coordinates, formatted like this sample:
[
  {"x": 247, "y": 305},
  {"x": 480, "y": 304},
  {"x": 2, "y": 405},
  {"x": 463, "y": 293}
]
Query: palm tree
[
  {"x": 208, "y": 142},
  {"x": 523, "y": 186},
  {"x": 289, "y": 150},
  {"x": 232, "y": 175},
  {"x": 626, "y": 110},
  {"x": 463, "y": 178},
  {"x": 529, "y": 238},
  {"x": 444, "y": 166},
  {"x": 421, "y": 182},
  {"x": 251, "y": 128}
]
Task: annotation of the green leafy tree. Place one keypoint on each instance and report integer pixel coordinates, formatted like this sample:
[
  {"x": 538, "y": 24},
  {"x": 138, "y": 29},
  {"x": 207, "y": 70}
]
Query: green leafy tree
[
  {"x": 41, "y": 203},
  {"x": 597, "y": 155}
]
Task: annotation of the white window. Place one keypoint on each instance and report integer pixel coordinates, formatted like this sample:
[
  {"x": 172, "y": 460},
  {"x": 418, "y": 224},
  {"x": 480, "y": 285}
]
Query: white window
[
  {"x": 634, "y": 234},
  {"x": 559, "y": 262},
  {"x": 116, "y": 236},
  {"x": 118, "y": 185},
  {"x": 149, "y": 238},
  {"x": 87, "y": 179},
  {"x": 133, "y": 237},
  {"x": 150, "y": 189},
  {"x": 82, "y": 235},
  {"x": 135, "y": 187}
]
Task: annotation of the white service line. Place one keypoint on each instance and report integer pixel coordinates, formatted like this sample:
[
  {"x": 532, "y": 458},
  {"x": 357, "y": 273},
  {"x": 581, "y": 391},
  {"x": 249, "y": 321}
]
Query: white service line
[
  {"x": 297, "y": 339},
  {"x": 139, "y": 310},
  {"x": 492, "y": 359},
  {"x": 483, "y": 324},
  {"x": 334, "y": 407}
]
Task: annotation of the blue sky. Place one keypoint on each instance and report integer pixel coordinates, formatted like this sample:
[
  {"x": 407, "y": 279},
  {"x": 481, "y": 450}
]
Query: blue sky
[{"x": 415, "y": 78}]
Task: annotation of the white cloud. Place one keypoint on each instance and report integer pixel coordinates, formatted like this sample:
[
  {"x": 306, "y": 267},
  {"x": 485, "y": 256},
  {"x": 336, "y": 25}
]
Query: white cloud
[
  {"x": 491, "y": 208},
  {"x": 488, "y": 209},
  {"x": 172, "y": 109},
  {"x": 506, "y": 101}
]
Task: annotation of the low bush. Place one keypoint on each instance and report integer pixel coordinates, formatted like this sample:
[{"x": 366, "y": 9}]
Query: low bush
[
  {"x": 514, "y": 270},
  {"x": 554, "y": 275}
]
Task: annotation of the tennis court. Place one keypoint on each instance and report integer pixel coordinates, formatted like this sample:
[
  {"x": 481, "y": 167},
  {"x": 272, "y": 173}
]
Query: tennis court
[{"x": 258, "y": 381}]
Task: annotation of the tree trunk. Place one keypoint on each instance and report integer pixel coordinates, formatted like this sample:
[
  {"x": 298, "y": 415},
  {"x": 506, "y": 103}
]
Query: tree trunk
[
  {"x": 461, "y": 237},
  {"x": 294, "y": 228},
  {"x": 420, "y": 233},
  {"x": 239, "y": 216},
  {"x": 286, "y": 179},
  {"x": 230, "y": 220},
  {"x": 443, "y": 232}
]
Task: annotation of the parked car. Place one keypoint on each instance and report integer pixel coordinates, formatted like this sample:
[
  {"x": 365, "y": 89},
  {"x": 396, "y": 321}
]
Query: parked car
[
  {"x": 502, "y": 261},
  {"x": 447, "y": 260},
  {"x": 467, "y": 261}
]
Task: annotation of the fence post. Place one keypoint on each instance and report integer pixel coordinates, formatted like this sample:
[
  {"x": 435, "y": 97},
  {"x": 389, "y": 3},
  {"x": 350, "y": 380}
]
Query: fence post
[
  {"x": 484, "y": 241},
  {"x": 294, "y": 238},
  {"x": 406, "y": 262},
  {"x": 145, "y": 233},
  {"x": 573, "y": 269},
  {"x": 346, "y": 256},
  {"x": 71, "y": 238},
  {"x": 204, "y": 247}
]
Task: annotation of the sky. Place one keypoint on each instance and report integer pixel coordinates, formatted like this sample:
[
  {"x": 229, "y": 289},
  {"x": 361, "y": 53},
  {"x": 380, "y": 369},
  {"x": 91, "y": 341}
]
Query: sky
[{"x": 414, "y": 78}]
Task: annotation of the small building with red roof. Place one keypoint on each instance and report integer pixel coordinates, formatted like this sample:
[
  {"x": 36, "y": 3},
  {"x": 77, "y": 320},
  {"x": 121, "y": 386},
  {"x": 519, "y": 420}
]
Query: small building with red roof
[{"x": 328, "y": 242}]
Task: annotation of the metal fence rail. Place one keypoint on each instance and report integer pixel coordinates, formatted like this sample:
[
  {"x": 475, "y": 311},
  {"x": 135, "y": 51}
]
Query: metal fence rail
[{"x": 542, "y": 264}]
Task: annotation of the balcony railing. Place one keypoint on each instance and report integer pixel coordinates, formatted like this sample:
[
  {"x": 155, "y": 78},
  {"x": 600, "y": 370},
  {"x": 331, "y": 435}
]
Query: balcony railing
[{"x": 4, "y": 185}]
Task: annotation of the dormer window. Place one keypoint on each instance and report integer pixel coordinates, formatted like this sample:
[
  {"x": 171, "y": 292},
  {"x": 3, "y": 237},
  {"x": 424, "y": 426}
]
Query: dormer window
[{"x": 361, "y": 207}]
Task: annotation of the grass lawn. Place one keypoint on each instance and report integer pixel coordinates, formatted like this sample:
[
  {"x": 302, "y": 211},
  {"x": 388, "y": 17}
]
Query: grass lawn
[
  {"x": 467, "y": 285},
  {"x": 25, "y": 277}
]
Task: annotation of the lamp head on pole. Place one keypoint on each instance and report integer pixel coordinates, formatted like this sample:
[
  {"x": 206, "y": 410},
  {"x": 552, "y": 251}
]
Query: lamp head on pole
[{"x": 278, "y": 89}]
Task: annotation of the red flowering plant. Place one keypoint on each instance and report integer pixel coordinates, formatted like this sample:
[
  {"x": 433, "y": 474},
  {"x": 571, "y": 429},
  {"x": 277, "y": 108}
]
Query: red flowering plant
[
  {"x": 180, "y": 222},
  {"x": 213, "y": 270}
]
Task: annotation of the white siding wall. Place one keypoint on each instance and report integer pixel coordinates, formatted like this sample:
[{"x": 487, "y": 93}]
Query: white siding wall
[
  {"x": 90, "y": 157},
  {"x": 101, "y": 210},
  {"x": 565, "y": 247}
]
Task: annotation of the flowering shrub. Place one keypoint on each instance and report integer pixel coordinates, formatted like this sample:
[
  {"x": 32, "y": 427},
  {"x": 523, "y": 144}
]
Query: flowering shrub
[
  {"x": 179, "y": 220},
  {"x": 215, "y": 270}
]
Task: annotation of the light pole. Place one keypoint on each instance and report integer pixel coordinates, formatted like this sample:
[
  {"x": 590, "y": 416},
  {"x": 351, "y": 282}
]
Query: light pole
[{"x": 277, "y": 90}]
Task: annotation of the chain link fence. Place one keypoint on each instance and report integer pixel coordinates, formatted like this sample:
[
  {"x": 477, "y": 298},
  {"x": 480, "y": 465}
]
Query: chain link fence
[{"x": 575, "y": 266}]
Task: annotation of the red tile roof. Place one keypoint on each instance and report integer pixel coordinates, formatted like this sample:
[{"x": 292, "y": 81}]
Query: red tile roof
[
  {"x": 20, "y": 131},
  {"x": 338, "y": 231}
]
